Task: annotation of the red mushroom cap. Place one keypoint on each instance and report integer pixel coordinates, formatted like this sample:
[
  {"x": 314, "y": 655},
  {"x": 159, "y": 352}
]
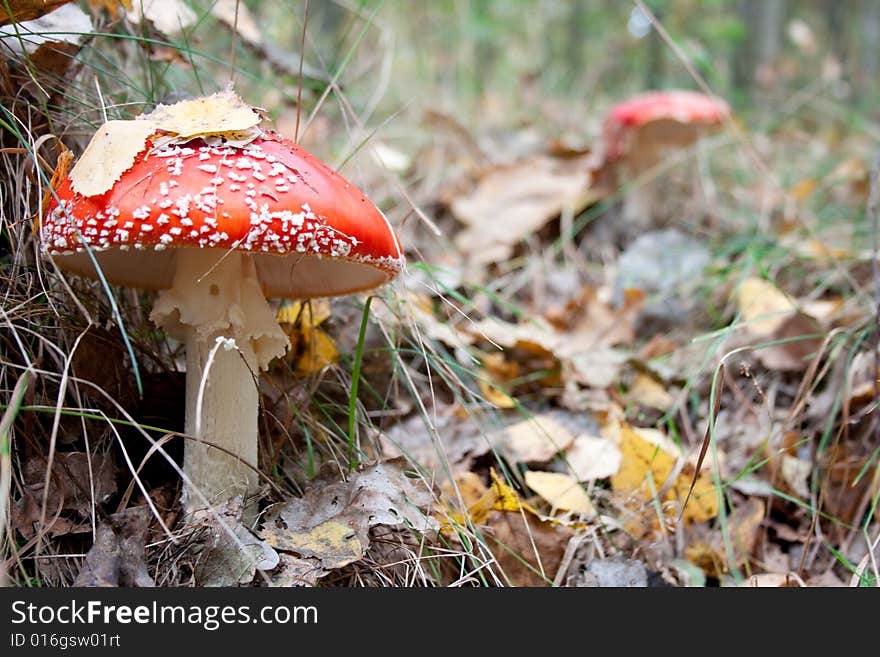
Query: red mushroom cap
[
  {"x": 687, "y": 107},
  {"x": 312, "y": 232}
]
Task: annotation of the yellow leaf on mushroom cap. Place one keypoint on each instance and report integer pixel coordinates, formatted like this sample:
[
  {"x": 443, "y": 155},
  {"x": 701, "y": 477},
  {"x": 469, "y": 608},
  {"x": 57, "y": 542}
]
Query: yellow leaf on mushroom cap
[
  {"x": 110, "y": 153},
  {"x": 115, "y": 145},
  {"x": 210, "y": 115}
]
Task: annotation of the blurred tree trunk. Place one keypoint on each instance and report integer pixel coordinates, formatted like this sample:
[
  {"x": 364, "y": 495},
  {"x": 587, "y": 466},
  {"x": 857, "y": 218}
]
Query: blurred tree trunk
[
  {"x": 485, "y": 50},
  {"x": 744, "y": 55},
  {"x": 757, "y": 54},
  {"x": 656, "y": 69},
  {"x": 869, "y": 52},
  {"x": 835, "y": 17},
  {"x": 771, "y": 18},
  {"x": 576, "y": 39}
]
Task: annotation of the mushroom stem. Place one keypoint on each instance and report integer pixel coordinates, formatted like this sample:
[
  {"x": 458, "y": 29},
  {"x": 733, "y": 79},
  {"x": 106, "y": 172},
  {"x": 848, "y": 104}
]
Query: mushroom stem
[
  {"x": 222, "y": 403},
  {"x": 216, "y": 307}
]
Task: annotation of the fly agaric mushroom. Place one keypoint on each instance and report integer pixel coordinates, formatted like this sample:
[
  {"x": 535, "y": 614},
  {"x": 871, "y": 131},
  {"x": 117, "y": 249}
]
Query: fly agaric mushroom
[
  {"x": 215, "y": 225},
  {"x": 638, "y": 132}
]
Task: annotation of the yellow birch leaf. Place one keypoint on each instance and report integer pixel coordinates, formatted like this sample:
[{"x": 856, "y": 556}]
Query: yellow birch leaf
[
  {"x": 216, "y": 114},
  {"x": 495, "y": 396},
  {"x": 648, "y": 458},
  {"x": 319, "y": 351},
  {"x": 315, "y": 312},
  {"x": 537, "y": 439},
  {"x": 110, "y": 153},
  {"x": 289, "y": 313},
  {"x": 763, "y": 307},
  {"x": 334, "y": 543},
  {"x": 647, "y": 391},
  {"x": 561, "y": 490}
]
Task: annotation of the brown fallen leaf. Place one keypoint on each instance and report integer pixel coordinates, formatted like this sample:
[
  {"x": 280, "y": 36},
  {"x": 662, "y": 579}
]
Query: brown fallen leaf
[
  {"x": 229, "y": 554},
  {"x": 76, "y": 481},
  {"x": 441, "y": 443},
  {"x": 331, "y": 522},
  {"x": 709, "y": 552},
  {"x": 27, "y": 10},
  {"x": 528, "y": 550},
  {"x": 117, "y": 556},
  {"x": 512, "y": 202}
]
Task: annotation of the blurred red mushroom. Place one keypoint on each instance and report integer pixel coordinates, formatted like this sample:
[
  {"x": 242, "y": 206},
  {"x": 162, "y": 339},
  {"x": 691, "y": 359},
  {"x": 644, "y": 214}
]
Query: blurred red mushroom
[
  {"x": 217, "y": 226},
  {"x": 639, "y": 131}
]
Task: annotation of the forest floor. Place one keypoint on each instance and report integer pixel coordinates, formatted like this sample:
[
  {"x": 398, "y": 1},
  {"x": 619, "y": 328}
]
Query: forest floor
[{"x": 584, "y": 377}]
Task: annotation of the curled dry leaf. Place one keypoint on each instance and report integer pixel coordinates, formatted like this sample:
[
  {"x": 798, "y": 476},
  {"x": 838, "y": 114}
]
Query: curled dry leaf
[
  {"x": 219, "y": 113},
  {"x": 67, "y": 24},
  {"x": 76, "y": 481},
  {"x": 331, "y": 522},
  {"x": 512, "y": 202},
  {"x": 27, "y": 10},
  {"x": 117, "y": 556},
  {"x": 230, "y": 554}
]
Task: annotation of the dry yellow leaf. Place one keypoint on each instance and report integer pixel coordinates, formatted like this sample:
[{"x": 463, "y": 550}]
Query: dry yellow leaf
[
  {"x": 216, "y": 114},
  {"x": 498, "y": 497},
  {"x": 306, "y": 314},
  {"x": 803, "y": 189},
  {"x": 319, "y": 351},
  {"x": 110, "y": 153},
  {"x": 494, "y": 395},
  {"x": 113, "y": 148},
  {"x": 537, "y": 439},
  {"x": 647, "y": 391},
  {"x": 335, "y": 543},
  {"x": 506, "y": 498},
  {"x": 590, "y": 458},
  {"x": 561, "y": 490},
  {"x": 467, "y": 490},
  {"x": 648, "y": 459},
  {"x": 762, "y": 306}
]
